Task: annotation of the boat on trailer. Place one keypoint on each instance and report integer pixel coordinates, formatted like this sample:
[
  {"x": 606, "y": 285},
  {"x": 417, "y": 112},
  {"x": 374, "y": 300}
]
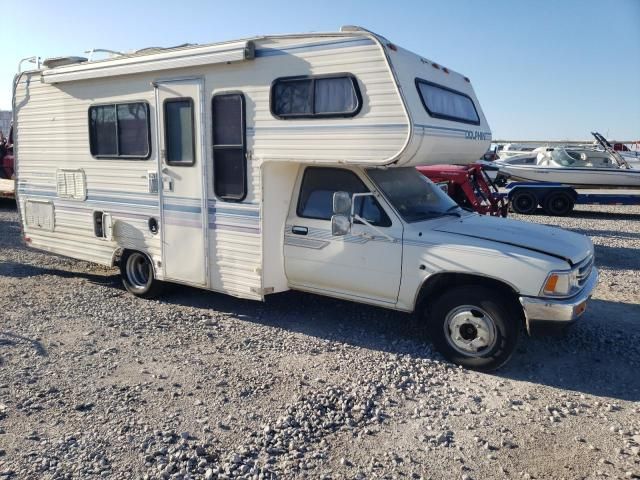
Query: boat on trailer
[{"x": 573, "y": 166}]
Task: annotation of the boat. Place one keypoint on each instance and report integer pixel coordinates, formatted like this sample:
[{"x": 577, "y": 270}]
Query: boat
[{"x": 578, "y": 167}]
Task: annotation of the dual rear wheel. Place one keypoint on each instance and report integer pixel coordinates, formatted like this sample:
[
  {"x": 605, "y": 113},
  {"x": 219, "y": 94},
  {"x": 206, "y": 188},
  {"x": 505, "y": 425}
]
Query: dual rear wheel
[{"x": 138, "y": 275}]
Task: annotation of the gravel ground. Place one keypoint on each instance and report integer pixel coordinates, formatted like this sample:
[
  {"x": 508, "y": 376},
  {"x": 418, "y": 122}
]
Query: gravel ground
[{"x": 97, "y": 383}]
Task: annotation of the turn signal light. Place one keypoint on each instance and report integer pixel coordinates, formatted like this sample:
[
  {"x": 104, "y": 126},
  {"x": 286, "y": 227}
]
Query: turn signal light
[{"x": 550, "y": 285}]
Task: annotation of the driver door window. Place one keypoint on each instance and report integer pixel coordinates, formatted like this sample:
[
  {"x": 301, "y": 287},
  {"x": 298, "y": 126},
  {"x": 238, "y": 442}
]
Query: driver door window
[{"x": 316, "y": 195}]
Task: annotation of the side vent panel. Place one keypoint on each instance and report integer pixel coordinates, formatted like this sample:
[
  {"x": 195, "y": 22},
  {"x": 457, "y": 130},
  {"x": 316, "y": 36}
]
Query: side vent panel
[
  {"x": 71, "y": 184},
  {"x": 39, "y": 214}
]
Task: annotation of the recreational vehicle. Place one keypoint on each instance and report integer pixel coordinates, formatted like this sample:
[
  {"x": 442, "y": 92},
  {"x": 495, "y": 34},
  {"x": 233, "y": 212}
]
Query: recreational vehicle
[{"x": 287, "y": 162}]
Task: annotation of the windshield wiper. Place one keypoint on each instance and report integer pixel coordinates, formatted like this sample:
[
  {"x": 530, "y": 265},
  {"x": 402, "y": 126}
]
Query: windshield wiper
[{"x": 437, "y": 214}]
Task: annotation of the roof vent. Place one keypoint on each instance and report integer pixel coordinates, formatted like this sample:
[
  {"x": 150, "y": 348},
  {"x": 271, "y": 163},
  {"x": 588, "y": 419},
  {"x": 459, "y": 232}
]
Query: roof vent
[{"x": 56, "y": 62}]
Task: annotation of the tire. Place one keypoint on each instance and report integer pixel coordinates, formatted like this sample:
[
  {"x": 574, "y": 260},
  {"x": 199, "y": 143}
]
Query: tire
[
  {"x": 524, "y": 202},
  {"x": 468, "y": 314},
  {"x": 137, "y": 275},
  {"x": 558, "y": 204}
]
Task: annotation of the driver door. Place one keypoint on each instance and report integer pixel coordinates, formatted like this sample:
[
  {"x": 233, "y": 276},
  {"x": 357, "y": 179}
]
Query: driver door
[{"x": 362, "y": 265}]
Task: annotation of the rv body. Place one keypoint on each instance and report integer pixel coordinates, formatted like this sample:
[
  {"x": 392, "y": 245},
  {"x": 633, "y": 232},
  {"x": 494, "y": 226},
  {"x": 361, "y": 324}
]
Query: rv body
[{"x": 208, "y": 161}]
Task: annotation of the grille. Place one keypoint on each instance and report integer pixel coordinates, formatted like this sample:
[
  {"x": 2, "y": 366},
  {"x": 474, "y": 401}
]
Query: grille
[{"x": 584, "y": 270}]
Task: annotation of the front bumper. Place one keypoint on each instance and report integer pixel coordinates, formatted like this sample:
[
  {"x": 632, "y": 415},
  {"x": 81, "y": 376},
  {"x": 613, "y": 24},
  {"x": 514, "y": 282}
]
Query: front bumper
[{"x": 558, "y": 311}]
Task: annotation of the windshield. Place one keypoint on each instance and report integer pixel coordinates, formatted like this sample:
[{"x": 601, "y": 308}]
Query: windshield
[{"x": 414, "y": 196}]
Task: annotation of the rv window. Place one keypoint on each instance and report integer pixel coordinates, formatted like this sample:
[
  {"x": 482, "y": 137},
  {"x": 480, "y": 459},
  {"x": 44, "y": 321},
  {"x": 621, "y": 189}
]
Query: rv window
[
  {"x": 319, "y": 96},
  {"x": 179, "y": 133},
  {"x": 316, "y": 195},
  {"x": 119, "y": 131},
  {"x": 443, "y": 102},
  {"x": 229, "y": 146}
]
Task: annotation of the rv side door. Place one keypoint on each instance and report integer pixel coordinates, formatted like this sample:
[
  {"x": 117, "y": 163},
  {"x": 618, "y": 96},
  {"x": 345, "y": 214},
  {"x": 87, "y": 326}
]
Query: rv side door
[{"x": 362, "y": 265}]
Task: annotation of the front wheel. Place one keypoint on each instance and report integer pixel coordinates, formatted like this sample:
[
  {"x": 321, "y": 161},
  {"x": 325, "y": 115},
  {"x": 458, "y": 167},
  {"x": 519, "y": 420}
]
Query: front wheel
[
  {"x": 137, "y": 275},
  {"x": 474, "y": 327}
]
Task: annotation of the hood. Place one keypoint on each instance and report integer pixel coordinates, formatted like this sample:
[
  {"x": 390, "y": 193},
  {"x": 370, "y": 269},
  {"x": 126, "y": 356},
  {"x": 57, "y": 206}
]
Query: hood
[{"x": 553, "y": 241}]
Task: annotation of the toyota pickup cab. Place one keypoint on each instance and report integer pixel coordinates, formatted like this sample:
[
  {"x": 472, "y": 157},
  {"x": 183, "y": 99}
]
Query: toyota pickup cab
[{"x": 391, "y": 237}]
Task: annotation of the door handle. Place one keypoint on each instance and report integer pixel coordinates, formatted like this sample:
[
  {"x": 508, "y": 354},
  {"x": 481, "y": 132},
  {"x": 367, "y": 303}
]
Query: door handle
[{"x": 299, "y": 230}]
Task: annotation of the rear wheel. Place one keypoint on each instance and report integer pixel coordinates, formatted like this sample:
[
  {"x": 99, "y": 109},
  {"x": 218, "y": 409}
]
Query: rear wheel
[
  {"x": 474, "y": 327},
  {"x": 558, "y": 204},
  {"x": 524, "y": 202},
  {"x": 137, "y": 275}
]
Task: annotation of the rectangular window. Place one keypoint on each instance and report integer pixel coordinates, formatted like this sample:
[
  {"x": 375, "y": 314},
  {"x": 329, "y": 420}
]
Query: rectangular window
[
  {"x": 179, "y": 135},
  {"x": 119, "y": 130},
  {"x": 316, "y": 195},
  {"x": 448, "y": 104},
  {"x": 229, "y": 147},
  {"x": 317, "y": 96}
]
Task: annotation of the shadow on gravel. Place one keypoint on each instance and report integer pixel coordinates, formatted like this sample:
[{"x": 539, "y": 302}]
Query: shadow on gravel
[
  {"x": 8, "y": 339},
  {"x": 321, "y": 317},
  {"x": 25, "y": 270},
  {"x": 599, "y": 355},
  {"x": 621, "y": 258},
  {"x": 632, "y": 214}
]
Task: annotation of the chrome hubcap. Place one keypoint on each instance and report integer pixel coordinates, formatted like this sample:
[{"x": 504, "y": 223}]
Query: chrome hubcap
[
  {"x": 138, "y": 270},
  {"x": 470, "y": 330}
]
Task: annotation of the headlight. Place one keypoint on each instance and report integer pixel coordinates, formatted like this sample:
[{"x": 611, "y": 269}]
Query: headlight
[{"x": 561, "y": 284}]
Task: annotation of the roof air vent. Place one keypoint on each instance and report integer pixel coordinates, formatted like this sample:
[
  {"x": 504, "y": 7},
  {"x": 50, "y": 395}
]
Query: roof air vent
[{"x": 56, "y": 62}]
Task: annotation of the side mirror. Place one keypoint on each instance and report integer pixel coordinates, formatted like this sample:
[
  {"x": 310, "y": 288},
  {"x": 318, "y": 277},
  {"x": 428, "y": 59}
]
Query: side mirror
[
  {"x": 340, "y": 225},
  {"x": 341, "y": 203}
]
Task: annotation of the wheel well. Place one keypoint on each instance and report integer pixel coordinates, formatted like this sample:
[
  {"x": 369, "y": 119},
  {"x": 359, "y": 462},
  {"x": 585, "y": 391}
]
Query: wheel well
[{"x": 438, "y": 283}]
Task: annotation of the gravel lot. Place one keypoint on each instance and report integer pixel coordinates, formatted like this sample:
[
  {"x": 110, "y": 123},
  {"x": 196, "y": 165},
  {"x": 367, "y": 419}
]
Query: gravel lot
[{"x": 97, "y": 383}]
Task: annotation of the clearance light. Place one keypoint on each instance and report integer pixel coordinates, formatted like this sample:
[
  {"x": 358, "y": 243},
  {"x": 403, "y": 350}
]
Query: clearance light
[
  {"x": 27, "y": 239},
  {"x": 466, "y": 79},
  {"x": 445, "y": 70},
  {"x": 392, "y": 46},
  {"x": 435, "y": 65}
]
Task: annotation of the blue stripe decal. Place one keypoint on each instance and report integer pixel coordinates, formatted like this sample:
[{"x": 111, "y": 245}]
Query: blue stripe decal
[
  {"x": 238, "y": 212},
  {"x": 290, "y": 128},
  {"x": 450, "y": 129},
  {"x": 310, "y": 47},
  {"x": 182, "y": 208},
  {"x": 123, "y": 201}
]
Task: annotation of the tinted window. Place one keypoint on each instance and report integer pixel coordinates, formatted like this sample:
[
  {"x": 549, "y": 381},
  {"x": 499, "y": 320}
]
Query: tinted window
[
  {"x": 103, "y": 130},
  {"x": 324, "y": 96},
  {"x": 442, "y": 102},
  {"x": 318, "y": 187},
  {"x": 119, "y": 130},
  {"x": 293, "y": 97},
  {"x": 229, "y": 140},
  {"x": 179, "y": 131}
]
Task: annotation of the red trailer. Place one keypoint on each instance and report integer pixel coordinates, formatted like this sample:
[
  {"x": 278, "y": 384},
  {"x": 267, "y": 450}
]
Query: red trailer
[{"x": 469, "y": 186}]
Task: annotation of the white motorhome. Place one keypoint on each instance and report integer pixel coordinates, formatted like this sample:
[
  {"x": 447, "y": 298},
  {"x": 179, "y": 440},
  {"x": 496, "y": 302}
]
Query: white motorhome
[{"x": 287, "y": 162}]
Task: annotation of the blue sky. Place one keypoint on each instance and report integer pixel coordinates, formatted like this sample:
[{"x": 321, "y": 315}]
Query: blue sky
[{"x": 541, "y": 69}]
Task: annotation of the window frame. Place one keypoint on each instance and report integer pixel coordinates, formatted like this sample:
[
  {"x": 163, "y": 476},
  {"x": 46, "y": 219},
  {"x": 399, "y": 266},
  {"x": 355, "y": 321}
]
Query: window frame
[
  {"x": 245, "y": 167},
  {"x": 121, "y": 157},
  {"x": 386, "y": 216},
  {"x": 193, "y": 130},
  {"x": 418, "y": 81},
  {"x": 313, "y": 78}
]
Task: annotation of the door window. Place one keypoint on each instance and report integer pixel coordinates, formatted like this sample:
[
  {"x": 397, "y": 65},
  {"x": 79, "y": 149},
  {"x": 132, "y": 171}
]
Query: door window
[
  {"x": 316, "y": 195},
  {"x": 179, "y": 131},
  {"x": 229, "y": 147}
]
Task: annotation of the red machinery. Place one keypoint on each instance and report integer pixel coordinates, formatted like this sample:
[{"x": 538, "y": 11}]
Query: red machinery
[
  {"x": 6, "y": 156},
  {"x": 469, "y": 186}
]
